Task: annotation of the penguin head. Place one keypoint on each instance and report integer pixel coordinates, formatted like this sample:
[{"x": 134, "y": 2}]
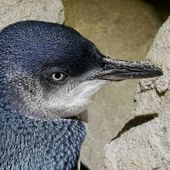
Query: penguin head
[{"x": 51, "y": 71}]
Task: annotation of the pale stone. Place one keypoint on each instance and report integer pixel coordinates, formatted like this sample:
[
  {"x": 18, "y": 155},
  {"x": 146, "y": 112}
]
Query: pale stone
[
  {"x": 153, "y": 95},
  {"x": 147, "y": 146},
  {"x": 19, "y": 10}
]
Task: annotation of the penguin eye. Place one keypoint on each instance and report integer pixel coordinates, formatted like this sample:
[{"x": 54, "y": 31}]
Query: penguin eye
[{"x": 59, "y": 77}]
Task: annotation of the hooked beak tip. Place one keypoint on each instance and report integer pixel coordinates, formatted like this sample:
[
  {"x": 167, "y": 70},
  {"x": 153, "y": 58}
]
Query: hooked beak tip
[{"x": 159, "y": 72}]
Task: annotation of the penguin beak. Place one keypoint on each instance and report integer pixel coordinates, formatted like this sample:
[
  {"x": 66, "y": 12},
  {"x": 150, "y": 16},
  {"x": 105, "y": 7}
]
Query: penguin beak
[{"x": 116, "y": 70}]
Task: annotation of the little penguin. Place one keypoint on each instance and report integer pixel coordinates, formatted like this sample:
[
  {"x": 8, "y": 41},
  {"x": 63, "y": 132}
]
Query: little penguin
[{"x": 48, "y": 74}]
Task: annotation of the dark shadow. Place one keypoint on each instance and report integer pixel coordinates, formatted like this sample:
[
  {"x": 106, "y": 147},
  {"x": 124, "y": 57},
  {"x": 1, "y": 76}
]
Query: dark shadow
[
  {"x": 136, "y": 121},
  {"x": 83, "y": 167},
  {"x": 162, "y": 8}
]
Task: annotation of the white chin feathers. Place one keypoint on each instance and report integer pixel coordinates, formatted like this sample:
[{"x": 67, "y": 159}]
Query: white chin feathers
[{"x": 77, "y": 100}]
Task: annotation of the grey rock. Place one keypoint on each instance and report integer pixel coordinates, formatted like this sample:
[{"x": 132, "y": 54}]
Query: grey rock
[
  {"x": 153, "y": 95},
  {"x": 147, "y": 146},
  {"x": 19, "y": 10}
]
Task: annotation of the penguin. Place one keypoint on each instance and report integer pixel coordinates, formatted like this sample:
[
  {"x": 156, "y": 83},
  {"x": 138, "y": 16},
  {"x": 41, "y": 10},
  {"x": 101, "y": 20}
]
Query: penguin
[{"x": 48, "y": 74}]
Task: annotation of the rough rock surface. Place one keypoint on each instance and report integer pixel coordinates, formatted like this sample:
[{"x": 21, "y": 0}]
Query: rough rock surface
[
  {"x": 17, "y": 10},
  {"x": 122, "y": 29},
  {"x": 146, "y": 145}
]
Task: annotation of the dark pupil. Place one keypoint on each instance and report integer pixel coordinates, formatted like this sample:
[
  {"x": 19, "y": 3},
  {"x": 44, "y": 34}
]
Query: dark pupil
[{"x": 57, "y": 75}]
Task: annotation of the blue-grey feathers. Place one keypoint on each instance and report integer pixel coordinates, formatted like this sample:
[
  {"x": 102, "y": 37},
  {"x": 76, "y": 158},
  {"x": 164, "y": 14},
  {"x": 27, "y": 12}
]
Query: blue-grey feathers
[{"x": 26, "y": 144}]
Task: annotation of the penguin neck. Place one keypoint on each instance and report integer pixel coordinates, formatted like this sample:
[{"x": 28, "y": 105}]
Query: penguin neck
[{"x": 51, "y": 141}]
